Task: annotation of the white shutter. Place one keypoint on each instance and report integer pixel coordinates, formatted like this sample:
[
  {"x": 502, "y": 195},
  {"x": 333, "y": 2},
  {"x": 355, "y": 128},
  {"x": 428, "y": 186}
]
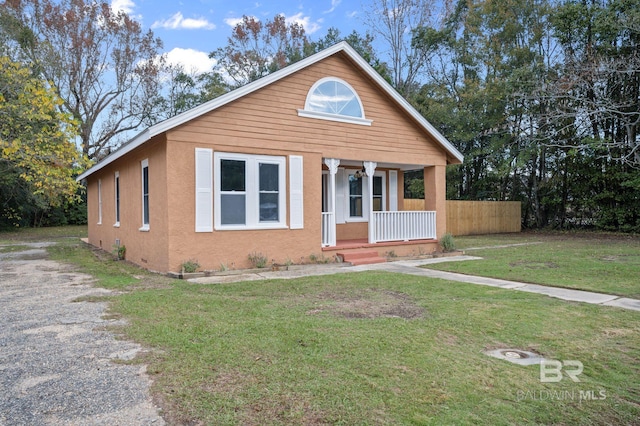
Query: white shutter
[
  {"x": 296, "y": 205},
  {"x": 393, "y": 190},
  {"x": 204, "y": 190},
  {"x": 342, "y": 192}
]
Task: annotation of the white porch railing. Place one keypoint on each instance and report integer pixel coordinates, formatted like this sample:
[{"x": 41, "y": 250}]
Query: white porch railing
[
  {"x": 403, "y": 226},
  {"x": 328, "y": 229},
  {"x": 388, "y": 226}
]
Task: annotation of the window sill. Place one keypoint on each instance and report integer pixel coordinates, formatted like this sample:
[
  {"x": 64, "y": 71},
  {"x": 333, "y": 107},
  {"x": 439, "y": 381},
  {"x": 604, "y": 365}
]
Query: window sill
[
  {"x": 250, "y": 228},
  {"x": 356, "y": 219},
  {"x": 145, "y": 228},
  {"x": 334, "y": 117}
]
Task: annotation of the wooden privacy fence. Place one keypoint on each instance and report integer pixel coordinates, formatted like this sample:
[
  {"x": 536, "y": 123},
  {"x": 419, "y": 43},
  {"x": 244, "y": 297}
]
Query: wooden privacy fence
[{"x": 477, "y": 217}]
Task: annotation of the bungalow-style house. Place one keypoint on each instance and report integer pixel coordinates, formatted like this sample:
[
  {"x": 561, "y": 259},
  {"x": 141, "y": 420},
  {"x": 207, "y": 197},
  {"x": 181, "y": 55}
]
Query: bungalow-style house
[{"x": 306, "y": 162}]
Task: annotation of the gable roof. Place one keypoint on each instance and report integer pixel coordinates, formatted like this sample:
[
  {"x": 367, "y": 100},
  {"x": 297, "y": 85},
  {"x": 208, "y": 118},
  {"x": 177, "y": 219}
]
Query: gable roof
[{"x": 218, "y": 102}]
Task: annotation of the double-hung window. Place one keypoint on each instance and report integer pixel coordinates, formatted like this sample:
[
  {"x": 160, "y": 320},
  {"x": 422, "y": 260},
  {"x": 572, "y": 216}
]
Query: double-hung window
[
  {"x": 99, "y": 201},
  {"x": 378, "y": 193},
  {"x": 249, "y": 191},
  {"x": 145, "y": 195},
  {"x": 356, "y": 199},
  {"x": 233, "y": 192},
  {"x": 117, "y": 194}
]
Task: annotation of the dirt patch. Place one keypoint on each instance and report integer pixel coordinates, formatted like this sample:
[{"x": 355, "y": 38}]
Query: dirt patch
[
  {"x": 370, "y": 303},
  {"x": 619, "y": 258},
  {"x": 285, "y": 409}
]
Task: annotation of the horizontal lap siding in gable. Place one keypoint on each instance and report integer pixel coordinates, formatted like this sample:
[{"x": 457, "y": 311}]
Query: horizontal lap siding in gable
[{"x": 268, "y": 118}]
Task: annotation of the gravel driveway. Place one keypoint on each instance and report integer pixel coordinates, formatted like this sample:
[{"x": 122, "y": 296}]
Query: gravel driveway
[{"x": 56, "y": 359}]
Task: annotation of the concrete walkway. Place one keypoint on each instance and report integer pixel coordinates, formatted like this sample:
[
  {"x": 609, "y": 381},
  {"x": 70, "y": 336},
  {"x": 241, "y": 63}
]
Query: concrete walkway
[{"x": 413, "y": 267}]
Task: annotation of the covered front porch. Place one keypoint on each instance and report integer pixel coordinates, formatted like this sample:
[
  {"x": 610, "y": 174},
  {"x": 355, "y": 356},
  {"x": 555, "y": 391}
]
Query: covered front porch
[{"x": 362, "y": 204}]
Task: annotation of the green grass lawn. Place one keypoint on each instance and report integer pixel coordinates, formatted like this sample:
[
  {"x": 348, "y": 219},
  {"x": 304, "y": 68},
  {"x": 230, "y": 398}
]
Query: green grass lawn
[
  {"x": 604, "y": 263},
  {"x": 369, "y": 348},
  {"x": 379, "y": 348},
  {"x": 54, "y": 233}
]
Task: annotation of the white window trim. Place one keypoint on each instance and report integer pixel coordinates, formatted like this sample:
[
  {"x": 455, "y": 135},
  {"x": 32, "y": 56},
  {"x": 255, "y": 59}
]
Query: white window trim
[
  {"x": 333, "y": 117},
  {"x": 144, "y": 163},
  {"x": 365, "y": 196},
  {"x": 116, "y": 188},
  {"x": 252, "y": 194},
  {"x": 99, "y": 201}
]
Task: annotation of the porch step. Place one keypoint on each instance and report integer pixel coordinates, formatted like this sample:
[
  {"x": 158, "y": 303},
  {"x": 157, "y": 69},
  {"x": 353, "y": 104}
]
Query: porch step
[{"x": 361, "y": 257}]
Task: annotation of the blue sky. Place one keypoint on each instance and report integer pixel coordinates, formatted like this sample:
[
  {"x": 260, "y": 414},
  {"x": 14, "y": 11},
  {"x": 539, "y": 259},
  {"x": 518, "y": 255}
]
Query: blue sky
[{"x": 192, "y": 29}]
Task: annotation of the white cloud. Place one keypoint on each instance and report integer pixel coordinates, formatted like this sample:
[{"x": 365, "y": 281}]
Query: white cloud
[
  {"x": 123, "y": 5},
  {"x": 232, "y": 22},
  {"x": 192, "y": 60},
  {"x": 352, "y": 15},
  {"x": 177, "y": 21},
  {"x": 305, "y": 21},
  {"x": 334, "y": 4}
]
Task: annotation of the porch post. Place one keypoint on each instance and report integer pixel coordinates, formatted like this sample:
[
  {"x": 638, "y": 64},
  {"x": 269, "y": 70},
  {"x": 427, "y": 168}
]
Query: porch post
[
  {"x": 332, "y": 164},
  {"x": 435, "y": 195},
  {"x": 370, "y": 169}
]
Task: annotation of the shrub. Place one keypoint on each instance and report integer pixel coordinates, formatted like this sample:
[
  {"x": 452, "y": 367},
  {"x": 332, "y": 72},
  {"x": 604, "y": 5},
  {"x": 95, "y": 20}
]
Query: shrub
[
  {"x": 119, "y": 251},
  {"x": 447, "y": 243},
  {"x": 313, "y": 258},
  {"x": 258, "y": 260},
  {"x": 189, "y": 266}
]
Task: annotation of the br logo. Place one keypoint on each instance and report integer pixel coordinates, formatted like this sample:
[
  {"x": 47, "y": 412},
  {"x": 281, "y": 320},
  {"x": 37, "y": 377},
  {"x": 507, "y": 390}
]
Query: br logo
[{"x": 551, "y": 370}]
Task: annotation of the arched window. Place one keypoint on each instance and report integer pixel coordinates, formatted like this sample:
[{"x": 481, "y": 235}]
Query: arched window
[{"x": 334, "y": 99}]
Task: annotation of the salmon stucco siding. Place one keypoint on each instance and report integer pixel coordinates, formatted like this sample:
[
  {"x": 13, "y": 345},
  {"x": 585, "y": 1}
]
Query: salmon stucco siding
[{"x": 280, "y": 155}]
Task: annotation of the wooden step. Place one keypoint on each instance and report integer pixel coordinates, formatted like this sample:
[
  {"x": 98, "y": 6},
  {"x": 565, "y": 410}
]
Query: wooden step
[{"x": 361, "y": 257}]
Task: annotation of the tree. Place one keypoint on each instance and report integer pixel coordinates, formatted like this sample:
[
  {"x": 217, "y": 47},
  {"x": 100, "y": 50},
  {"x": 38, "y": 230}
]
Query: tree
[
  {"x": 395, "y": 21},
  {"x": 38, "y": 156},
  {"x": 184, "y": 91},
  {"x": 104, "y": 67},
  {"x": 598, "y": 93},
  {"x": 257, "y": 48},
  {"x": 485, "y": 62}
]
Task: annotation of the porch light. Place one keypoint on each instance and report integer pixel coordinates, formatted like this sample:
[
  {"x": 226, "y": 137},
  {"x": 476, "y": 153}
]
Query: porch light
[{"x": 360, "y": 173}]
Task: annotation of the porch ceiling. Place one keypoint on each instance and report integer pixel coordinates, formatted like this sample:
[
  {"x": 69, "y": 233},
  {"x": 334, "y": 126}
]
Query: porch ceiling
[{"x": 401, "y": 166}]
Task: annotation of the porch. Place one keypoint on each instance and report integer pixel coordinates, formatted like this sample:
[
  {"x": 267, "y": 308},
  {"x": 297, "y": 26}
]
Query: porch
[{"x": 366, "y": 200}]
